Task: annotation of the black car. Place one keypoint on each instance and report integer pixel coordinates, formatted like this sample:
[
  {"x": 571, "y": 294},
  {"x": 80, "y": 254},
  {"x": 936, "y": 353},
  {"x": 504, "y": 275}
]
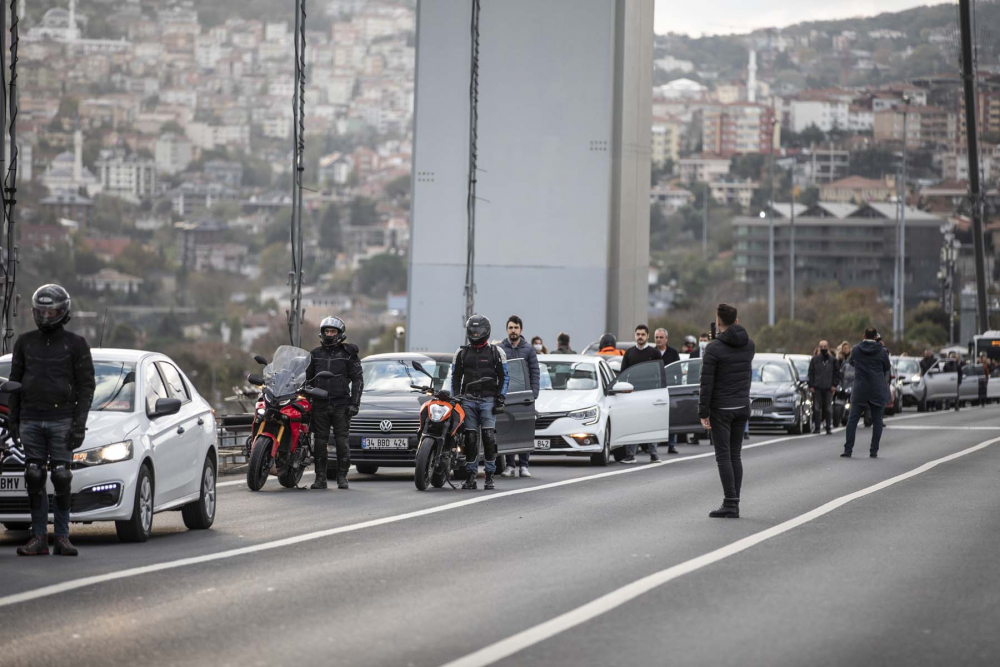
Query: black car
[
  {"x": 778, "y": 397},
  {"x": 384, "y": 433}
]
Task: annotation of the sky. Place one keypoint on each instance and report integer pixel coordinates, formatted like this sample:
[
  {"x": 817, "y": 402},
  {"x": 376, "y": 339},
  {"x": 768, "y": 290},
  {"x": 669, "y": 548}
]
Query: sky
[{"x": 698, "y": 17}]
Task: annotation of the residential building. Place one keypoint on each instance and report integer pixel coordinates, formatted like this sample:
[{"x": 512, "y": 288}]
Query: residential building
[
  {"x": 858, "y": 189},
  {"x": 703, "y": 168},
  {"x": 69, "y": 205},
  {"x": 824, "y": 113},
  {"x": 925, "y": 126},
  {"x": 734, "y": 193},
  {"x": 740, "y": 127},
  {"x": 110, "y": 280},
  {"x": 669, "y": 198},
  {"x": 173, "y": 153},
  {"x": 192, "y": 197},
  {"x": 819, "y": 165},
  {"x": 666, "y": 133},
  {"x": 130, "y": 177},
  {"x": 955, "y": 166},
  {"x": 225, "y": 172},
  {"x": 335, "y": 168}
]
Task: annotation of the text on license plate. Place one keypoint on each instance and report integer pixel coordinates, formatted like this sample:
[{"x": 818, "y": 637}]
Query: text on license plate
[
  {"x": 12, "y": 485},
  {"x": 543, "y": 443},
  {"x": 757, "y": 412},
  {"x": 384, "y": 443}
]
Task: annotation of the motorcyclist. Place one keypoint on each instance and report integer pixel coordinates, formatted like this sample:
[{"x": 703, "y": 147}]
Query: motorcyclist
[
  {"x": 690, "y": 346},
  {"x": 608, "y": 345},
  {"x": 342, "y": 402},
  {"x": 49, "y": 414},
  {"x": 475, "y": 361}
]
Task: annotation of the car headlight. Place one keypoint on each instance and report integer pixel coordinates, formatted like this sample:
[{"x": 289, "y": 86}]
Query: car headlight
[
  {"x": 915, "y": 378},
  {"x": 113, "y": 453},
  {"x": 438, "y": 412},
  {"x": 587, "y": 415}
]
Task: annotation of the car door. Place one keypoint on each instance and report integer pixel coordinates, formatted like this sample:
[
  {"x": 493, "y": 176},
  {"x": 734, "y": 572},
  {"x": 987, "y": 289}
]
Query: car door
[
  {"x": 516, "y": 426},
  {"x": 169, "y": 462},
  {"x": 192, "y": 420},
  {"x": 644, "y": 414},
  {"x": 684, "y": 383},
  {"x": 942, "y": 381}
]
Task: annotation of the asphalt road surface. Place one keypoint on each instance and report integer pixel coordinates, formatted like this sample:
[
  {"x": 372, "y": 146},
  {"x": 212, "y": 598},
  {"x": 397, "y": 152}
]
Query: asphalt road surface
[{"x": 887, "y": 561}]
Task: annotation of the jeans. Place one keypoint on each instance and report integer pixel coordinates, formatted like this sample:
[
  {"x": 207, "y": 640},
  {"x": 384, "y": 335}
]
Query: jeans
[
  {"x": 521, "y": 459},
  {"x": 324, "y": 418},
  {"x": 852, "y": 425},
  {"x": 823, "y": 408},
  {"x": 727, "y": 433},
  {"x": 45, "y": 441},
  {"x": 479, "y": 417},
  {"x": 631, "y": 450}
]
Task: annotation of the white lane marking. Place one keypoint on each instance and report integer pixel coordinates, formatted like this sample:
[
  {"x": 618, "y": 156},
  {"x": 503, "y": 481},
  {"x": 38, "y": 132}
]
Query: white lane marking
[
  {"x": 946, "y": 428},
  {"x": 243, "y": 479},
  {"x": 526, "y": 638}
]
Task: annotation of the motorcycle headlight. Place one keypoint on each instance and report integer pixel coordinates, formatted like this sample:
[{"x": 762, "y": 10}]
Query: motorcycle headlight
[
  {"x": 113, "y": 453},
  {"x": 587, "y": 415},
  {"x": 438, "y": 412},
  {"x": 261, "y": 411}
]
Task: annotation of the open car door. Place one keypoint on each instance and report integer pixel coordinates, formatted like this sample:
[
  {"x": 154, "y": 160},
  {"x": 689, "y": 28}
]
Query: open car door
[
  {"x": 642, "y": 415},
  {"x": 516, "y": 426},
  {"x": 684, "y": 383}
]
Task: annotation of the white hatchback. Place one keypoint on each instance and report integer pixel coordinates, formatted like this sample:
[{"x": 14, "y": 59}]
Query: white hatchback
[
  {"x": 150, "y": 447},
  {"x": 583, "y": 409}
]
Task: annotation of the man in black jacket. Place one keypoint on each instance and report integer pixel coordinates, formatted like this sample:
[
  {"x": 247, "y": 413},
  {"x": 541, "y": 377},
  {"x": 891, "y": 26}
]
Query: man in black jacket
[
  {"x": 724, "y": 403},
  {"x": 871, "y": 363},
  {"x": 667, "y": 353},
  {"x": 642, "y": 351},
  {"x": 563, "y": 342},
  {"x": 824, "y": 376},
  {"x": 49, "y": 415},
  {"x": 343, "y": 398}
]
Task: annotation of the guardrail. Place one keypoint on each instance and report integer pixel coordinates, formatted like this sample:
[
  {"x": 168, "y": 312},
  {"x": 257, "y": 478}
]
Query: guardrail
[{"x": 232, "y": 432}]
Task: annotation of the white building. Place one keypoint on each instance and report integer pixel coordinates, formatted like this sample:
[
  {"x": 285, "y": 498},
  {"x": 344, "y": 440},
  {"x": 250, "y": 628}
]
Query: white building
[
  {"x": 128, "y": 177},
  {"x": 824, "y": 114},
  {"x": 208, "y": 136},
  {"x": 703, "y": 169},
  {"x": 173, "y": 153},
  {"x": 110, "y": 280}
]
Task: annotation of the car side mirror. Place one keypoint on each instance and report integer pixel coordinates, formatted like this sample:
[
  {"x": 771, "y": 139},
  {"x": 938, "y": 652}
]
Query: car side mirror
[
  {"x": 166, "y": 406},
  {"x": 316, "y": 392},
  {"x": 255, "y": 379},
  {"x": 621, "y": 388},
  {"x": 260, "y": 360},
  {"x": 10, "y": 387}
]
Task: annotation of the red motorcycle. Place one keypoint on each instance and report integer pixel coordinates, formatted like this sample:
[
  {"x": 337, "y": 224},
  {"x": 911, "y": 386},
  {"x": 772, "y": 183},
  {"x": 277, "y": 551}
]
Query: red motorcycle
[{"x": 279, "y": 440}]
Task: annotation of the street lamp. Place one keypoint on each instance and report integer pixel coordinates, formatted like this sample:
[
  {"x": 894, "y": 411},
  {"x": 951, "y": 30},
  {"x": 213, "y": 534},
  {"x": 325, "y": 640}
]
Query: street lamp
[
  {"x": 770, "y": 233},
  {"x": 899, "y": 312}
]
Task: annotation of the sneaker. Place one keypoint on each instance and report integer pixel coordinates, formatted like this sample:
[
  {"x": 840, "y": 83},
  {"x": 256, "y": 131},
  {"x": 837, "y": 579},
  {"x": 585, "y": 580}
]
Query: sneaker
[
  {"x": 61, "y": 546},
  {"x": 873, "y": 455},
  {"x": 655, "y": 459},
  {"x": 38, "y": 545},
  {"x": 508, "y": 472},
  {"x": 829, "y": 431},
  {"x": 524, "y": 472},
  {"x": 630, "y": 459},
  {"x": 671, "y": 449},
  {"x": 845, "y": 455}
]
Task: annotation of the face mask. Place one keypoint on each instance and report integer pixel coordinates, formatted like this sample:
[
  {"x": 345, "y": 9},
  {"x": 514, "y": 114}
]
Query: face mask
[
  {"x": 702, "y": 345},
  {"x": 825, "y": 353},
  {"x": 538, "y": 347}
]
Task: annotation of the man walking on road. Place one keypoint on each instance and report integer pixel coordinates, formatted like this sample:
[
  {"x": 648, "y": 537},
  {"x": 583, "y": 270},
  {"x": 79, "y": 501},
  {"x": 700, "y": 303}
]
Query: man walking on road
[
  {"x": 724, "y": 403},
  {"x": 49, "y": 414},
  {"x": 823, "y": 379},
  {"x": 871, "y": 363},
  {"x": 515, "y": 347}
]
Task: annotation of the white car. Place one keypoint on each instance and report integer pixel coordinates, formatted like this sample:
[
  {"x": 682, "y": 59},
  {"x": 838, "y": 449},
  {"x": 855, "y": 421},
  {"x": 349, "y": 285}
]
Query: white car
[
  {"x": 150, "y": 447},
  {"x": 583, "y": 409}
]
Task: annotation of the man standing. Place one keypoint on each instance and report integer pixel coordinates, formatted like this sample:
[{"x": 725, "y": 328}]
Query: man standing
[
  {"x": 700, "y": 349},
  {"x": 515, "y": 347},
  {"x": 563, "y": 341},
  {"x": 484, "y": 364},
  {"x": 49, "y": 414},
  {"x": 926, "y": 362},
  {"x": 823, "y": 379},
  {"x": 724, "y": 403},
  {"x": 342, "y": 403},
  {"x": 871, "y": 362},
  {"x": 642, "y": 352},
  {"x": 669, "y": 356}
]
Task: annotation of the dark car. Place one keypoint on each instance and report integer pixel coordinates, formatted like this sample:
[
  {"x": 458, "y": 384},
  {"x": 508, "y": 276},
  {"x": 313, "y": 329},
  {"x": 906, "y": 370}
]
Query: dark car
[
  {"x": 778, "y": 398},
  {"x": 683, "y": 379},
  {"x": 384, "y": 433}
]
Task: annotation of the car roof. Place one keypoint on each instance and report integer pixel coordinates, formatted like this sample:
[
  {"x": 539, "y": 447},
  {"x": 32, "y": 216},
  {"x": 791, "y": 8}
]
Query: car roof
[
  {"x": 112, "y": 354},
  {"x": 581, "y": 358},
  {"x": 436, "y": 356},
  {"x": 770, "y": 356},
  {"x": 797, "y": 356}
]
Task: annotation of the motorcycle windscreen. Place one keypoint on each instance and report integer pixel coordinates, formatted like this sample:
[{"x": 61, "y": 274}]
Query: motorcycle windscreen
[{"x": 287, "y": 372}]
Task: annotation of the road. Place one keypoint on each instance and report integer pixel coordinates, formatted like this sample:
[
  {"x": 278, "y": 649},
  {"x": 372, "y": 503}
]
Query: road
[{"x": 884, "y": 561}]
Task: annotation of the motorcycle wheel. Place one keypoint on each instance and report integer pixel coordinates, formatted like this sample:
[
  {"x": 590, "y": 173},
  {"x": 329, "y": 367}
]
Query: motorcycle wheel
[
  {"x": 290, "y": 478},
  {"x": 424, "y": 464},
  {"x": 260, "y": 464}
]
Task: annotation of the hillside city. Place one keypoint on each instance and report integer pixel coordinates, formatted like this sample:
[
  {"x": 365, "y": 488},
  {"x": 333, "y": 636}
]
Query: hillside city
[{"x": 154, "y": 171}]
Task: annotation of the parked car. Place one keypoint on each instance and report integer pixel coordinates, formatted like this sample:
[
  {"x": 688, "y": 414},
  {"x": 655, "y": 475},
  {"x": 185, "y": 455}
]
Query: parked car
[
  {"x": 384, "y": 433},
  {"x": 684, "y": 381},
  {"x": 907, "y": 375},
  {"x": 778, "y": 398},
  {"x": 150, "y": 447},
  {"x": 939, "y": 385}
]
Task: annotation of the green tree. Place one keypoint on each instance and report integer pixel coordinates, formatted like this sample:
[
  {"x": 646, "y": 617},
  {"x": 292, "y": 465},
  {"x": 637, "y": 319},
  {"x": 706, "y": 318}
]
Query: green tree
[
  {"x": 382, "y": 274},
  {"x": 362, "y": 212},
  {"x": 398, "y": 188},
  {"x": 329, "y": 230},
  {"x": 124, "y": 336}
]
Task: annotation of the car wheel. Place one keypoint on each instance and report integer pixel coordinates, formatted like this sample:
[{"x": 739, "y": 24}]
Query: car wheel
[
  {"x": 200, "y": 514},
  {"x": 17, "y": 525},
  {"x": 366, "y": 468},
  {"x": 139, "y": 527},
  {"x": 603, "y": 457}
]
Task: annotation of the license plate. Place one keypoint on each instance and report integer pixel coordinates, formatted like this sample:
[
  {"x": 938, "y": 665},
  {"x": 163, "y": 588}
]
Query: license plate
[
  {"x": 757, "y": 412},
  {"x": 12, "y": 485},
  {"x": 543, "y": 444},
  {"x": 384, "y": 443}
]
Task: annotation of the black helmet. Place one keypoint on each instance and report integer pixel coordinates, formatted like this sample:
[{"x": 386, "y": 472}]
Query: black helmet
[
  {"x": 50, "y": 306},
  {"x": 329, "y": 340},
  {"x": 478, "y": 329},
  {"x": 607, "y": 340}
]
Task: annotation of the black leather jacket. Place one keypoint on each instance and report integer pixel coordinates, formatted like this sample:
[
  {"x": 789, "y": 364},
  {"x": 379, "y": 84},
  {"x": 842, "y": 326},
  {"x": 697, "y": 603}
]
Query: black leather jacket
[
  {"x": 57, "y": 374},
  {"x": 726, "y": 371},
  {"x": 341, "y": 360}
]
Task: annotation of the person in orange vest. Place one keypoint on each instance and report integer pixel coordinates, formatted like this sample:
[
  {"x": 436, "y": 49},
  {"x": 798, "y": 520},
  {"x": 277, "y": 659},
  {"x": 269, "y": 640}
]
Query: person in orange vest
[{"x": 609, "y": 345}]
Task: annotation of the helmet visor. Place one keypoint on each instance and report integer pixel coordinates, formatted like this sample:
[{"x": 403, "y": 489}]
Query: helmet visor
[
  {"x": 49, "y": 314},
  {"x": 478, "y": 331}
]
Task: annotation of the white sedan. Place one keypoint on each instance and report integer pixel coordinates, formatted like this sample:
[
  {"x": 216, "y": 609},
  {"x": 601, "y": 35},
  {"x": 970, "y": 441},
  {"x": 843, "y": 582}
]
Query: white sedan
[
  {"x": 150, "y": 447},
  {"x": 583, "y": 409}
]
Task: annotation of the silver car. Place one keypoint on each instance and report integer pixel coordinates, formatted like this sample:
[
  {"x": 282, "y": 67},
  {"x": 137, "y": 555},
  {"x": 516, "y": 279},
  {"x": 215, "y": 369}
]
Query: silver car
[{"x": 939, "y": 386}]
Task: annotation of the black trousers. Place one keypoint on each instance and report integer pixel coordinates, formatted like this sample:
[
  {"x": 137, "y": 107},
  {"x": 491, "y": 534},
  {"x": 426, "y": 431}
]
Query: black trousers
[
  {"x": 727, "y": 433},
  {"x": 823, "y": 408},
  {"x": 324, "y": 419},
  {"x": 982, "y": 391}
]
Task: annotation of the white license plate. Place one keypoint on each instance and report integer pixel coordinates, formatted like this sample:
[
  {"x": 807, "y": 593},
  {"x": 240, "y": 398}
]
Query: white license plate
[
  {"x": 12, "y": 485},
  {"x": 543, "y": 443},
  {"x": 757, "y": 413},
  {"x": 384, "y": 443}
]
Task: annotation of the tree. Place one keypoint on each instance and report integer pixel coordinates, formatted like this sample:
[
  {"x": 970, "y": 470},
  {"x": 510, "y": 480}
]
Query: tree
[
  {"x": 274, "y": 262},
  {"x": 362, "y": 212},
  {"x": 329, "y": 230},
  {"x": 124, "y": 336},
  {"x": 398, "y": 188},
  {"x": 812, "y": 135},
  {"x": 747, "y": 166},
  {"x": 382, "y": 274},
  {"x": 172, "y": 126}
]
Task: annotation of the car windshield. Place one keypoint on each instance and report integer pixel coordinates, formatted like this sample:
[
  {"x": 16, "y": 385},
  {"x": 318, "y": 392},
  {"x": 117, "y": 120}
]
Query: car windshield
[
  {"x": 567, "y": 376},
  {"x": 907, "y": 367},
  {"x": 396, "y": 375},
  {"x": 115, "y": 390},
  {"x": 802, "y": 366},
  {"x": 287, "y": 371},
  {"x": 771, "y": 371}
]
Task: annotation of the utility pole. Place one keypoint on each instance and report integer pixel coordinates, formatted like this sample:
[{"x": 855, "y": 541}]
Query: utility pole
[
  {"x": 972, "y": 144},
  {"x": 902, "y": 230},
  {"x": 795, "y": 191},
  {"x": 770, "y": 233},
  {"x": 704, "y": 223},
  {"x": 298, "y": 154}
]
